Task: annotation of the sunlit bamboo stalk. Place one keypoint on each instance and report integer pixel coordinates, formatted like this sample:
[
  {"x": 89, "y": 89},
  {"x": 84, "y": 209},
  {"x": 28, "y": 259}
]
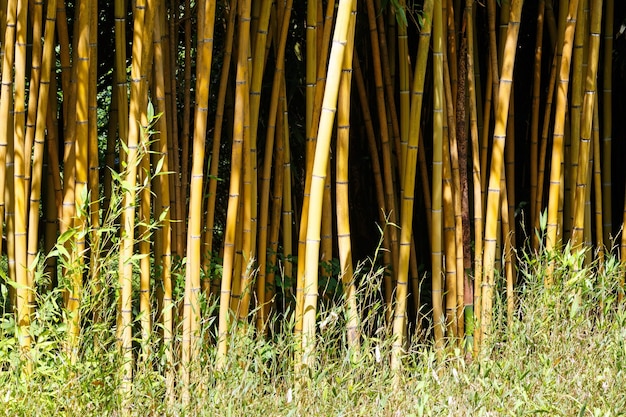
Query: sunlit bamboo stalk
[
  {"x": 554, "y": 198},
  {"x": 318, "y": 178},
  {"x": 586, "y": 132},
  {"x": 236, "y": 172},
  {"x": 408, "y": 197},
  {"x": 493, "y": 198}
]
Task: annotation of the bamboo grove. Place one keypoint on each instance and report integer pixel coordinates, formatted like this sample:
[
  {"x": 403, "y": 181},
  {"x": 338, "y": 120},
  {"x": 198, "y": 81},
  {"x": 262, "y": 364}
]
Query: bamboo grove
[{"x": 252, "y": 153}]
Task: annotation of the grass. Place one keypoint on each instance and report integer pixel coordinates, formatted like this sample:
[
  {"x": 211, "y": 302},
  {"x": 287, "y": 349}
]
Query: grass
[{"x": 564, "y": 355}]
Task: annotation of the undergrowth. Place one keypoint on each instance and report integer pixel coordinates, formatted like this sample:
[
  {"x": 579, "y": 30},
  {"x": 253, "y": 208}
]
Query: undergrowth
[{"x": 564, "y": 354}]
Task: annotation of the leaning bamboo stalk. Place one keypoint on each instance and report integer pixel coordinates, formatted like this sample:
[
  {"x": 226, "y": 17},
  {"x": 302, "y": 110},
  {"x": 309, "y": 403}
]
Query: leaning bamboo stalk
[
  {"x": 408, "y": 197},
  {"x": 318, "y": 178},
  {"x": 542, "y": 152},
  {"x": 245, "y": 250},
  {"x": 282, "y": 132},
  {"x": 554, "y": 198},
  {"x": 33, "y": 93},
  {"x": 499, "y": 136},
  {"x": 389, "y": 173},
  {"x": 449, "y": 242},
  {"x": 267, "y": 163},
  {"x": 39, "y": 134},
  {"x": 323, "y": 40},
  {"x": 385, "y": 58},
  {"x": 378, "y": 181},
  {"x": 260, "y": 31}
]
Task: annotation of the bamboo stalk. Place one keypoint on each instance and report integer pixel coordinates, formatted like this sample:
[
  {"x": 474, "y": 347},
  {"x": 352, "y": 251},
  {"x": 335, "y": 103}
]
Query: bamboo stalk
[
  {"x": 554, "y": 200},
  {"x": 493, "y": 199},
  {"x": 318, "y": 178},
  {"x": 235, "y": 182},
  {"x": 586, "y": 132}
]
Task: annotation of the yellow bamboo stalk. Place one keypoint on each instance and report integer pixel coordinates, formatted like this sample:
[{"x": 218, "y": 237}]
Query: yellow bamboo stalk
[
  {"x": 39, "y": 138},
  {"x": 33, "y": 93},
  {"x": 19, "y": 197},
  {"x": 191, "y": 318},
  {"x": 245, "y": 248},
  {"x": 585, "y": 148},
  {"x": 449, "y": 242},
  {"x": 94, "y": 162},
  {"x": 319, "y": 177},
  {"x": 404, "y": 93},
  {"x": 260, "y": 31},
  {"x": 145, "y": 193},
  {"x": 342, "y": 192},
  {"x": 207, "y": 251},
  {"x": 165, "y": 260},
  {"x": 554, "y": 199},
  {"x": 408, "y": 197},
  {"x": 323, "y": 39},
  {"x": 282, "y": 137},
  {"x": 241, "y": 92},
  {"x": 572, "y": 141},
  {"x": 82, "y": 170},
  {"x": 476, "y": 176},
  {"x": 6, "y": 95},
  {"x": 437, "y": 178},
  {"x": 137, "y": 104},
  {"x": 499, "y": 136},
  {"x": 322, "y": 47}
]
